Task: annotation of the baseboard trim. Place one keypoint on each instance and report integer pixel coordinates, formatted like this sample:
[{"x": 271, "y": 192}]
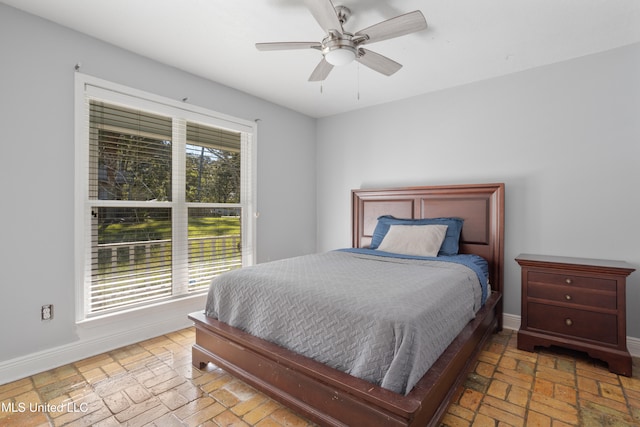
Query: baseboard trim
[
  {"x": 512, "y": 321},
  {"x": 95, "y": 340}
]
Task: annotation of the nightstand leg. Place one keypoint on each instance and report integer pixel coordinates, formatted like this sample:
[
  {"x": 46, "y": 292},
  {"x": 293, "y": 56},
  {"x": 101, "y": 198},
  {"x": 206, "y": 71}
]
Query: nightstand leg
[
  {"x": 525, "y": 342},
  {"x": 619, "y": 365}
]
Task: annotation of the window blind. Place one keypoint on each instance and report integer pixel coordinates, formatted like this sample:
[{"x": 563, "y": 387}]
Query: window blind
[
  {"x": 130, "y": 154},
  {"x": 212, "y": 137},
  {"x": 213, "y": 191},
  {"x": 131, "y": 244}
]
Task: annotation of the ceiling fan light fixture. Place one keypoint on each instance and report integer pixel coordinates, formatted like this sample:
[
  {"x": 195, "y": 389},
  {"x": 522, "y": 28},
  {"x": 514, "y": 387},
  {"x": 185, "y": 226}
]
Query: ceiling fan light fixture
[
  {"x": 339, "y": 49},
  {"x": 340, "y": 56}
]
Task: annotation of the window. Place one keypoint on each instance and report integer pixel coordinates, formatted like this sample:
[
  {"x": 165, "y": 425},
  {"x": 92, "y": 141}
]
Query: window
[{"x": 165, "y": 196}]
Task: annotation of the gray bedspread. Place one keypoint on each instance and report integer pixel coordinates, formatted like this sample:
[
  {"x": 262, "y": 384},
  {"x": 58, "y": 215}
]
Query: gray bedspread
[{"x": 385, "y": 320}]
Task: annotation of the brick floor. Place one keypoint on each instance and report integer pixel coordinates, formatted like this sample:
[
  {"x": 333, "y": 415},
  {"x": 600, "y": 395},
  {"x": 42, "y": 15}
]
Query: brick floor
[
  {"x": 548, "y": 388},
  {"x": 153, "y": 383}
]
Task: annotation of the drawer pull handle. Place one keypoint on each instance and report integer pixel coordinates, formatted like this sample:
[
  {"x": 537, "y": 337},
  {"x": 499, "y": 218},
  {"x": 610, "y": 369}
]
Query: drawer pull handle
[
  {"x": 568, "y": 281},
  {"x": 567, "y": 297},
  {"x": 568, "y": 322}
]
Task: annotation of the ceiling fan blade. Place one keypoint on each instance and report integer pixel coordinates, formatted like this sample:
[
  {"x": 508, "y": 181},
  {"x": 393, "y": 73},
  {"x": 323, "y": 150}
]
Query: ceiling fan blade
[
  {"x": 325, "y": 13},
  {"x": 288, "y": 46},
  {"x": 394, "y": 27},
  {"x": 321, "y": 71},
  {"x": 377, "y": 62}
]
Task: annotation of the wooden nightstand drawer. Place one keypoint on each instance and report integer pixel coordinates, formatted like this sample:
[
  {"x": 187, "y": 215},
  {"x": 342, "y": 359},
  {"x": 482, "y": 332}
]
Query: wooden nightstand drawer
[
  {"x": 576, "y": 323},
  {"x": 570, "y": 295},
  {"x": 572, "y": 280}
]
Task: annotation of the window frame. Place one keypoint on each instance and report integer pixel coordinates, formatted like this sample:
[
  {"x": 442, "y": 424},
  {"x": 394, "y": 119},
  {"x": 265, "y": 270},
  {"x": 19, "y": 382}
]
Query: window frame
[{"x": 88, "y": 87}]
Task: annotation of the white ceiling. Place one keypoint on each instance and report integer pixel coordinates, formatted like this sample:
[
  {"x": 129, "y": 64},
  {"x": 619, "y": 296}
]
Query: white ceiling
[{"x": 467, "y": 41}]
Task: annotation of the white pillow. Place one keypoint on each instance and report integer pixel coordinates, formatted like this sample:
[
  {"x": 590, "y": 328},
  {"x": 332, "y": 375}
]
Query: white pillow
[{"x": 420, "y": 240}]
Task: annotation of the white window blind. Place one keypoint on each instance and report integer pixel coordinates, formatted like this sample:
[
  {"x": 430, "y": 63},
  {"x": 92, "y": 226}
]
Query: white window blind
[
  {"x": 167, "y": 201},
  {"x": 213, "y": 194}
]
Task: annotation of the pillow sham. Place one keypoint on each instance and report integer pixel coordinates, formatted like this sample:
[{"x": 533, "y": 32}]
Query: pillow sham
[
  {"x": 450, "y": 245},
  {"x": 419, "y": 240}
]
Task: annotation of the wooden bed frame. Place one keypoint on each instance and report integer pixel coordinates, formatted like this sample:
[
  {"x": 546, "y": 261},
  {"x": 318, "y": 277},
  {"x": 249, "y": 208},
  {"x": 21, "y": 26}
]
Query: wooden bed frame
[{"x": 333, "y": 398}]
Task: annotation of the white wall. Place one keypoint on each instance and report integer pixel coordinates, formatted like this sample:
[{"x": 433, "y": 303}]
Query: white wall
[
  {"x": 565, "y": 139},
  {"x": 37, "y": 184}
]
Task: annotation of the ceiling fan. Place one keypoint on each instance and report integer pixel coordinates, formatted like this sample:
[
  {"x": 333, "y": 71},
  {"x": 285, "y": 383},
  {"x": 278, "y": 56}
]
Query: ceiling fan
[{"x": 340, "y": 47}]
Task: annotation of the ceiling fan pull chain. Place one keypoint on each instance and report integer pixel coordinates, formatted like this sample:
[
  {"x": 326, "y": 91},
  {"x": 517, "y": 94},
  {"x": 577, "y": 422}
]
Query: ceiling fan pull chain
[{"x": 358, "y": 77}]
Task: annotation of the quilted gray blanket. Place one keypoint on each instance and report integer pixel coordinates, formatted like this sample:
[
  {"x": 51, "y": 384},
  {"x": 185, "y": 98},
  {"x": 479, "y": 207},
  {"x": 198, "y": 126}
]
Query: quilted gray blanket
[{"x": 385, "y": 320}]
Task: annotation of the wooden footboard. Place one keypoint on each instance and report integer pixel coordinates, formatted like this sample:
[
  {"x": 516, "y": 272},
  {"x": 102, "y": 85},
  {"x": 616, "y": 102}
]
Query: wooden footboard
[{"x": 333, "y": 398}]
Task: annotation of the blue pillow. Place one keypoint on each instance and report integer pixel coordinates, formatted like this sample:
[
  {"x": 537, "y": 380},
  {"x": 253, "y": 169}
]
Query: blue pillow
[{"x": 450, "y": 245}]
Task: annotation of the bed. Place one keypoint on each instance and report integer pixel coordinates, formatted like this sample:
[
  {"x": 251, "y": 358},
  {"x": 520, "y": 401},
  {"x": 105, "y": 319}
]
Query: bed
[{"x": 331, "y": 397}]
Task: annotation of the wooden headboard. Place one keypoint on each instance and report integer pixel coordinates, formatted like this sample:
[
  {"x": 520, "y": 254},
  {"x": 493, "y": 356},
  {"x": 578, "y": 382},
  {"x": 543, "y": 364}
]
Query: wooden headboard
[{"x": 481, "y": 206}]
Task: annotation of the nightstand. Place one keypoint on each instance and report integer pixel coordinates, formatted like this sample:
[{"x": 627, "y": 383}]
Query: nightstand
[{"x": 576, "y": 303}]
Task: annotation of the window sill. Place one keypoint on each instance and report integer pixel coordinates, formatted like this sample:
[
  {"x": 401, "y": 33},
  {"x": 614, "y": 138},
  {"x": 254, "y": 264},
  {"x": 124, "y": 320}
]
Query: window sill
[{"x": 167, "y": 308}]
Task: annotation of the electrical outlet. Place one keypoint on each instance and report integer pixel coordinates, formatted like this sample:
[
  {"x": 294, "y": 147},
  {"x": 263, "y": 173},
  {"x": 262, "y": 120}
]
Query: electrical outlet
[{"x": 47, "y": 312}]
